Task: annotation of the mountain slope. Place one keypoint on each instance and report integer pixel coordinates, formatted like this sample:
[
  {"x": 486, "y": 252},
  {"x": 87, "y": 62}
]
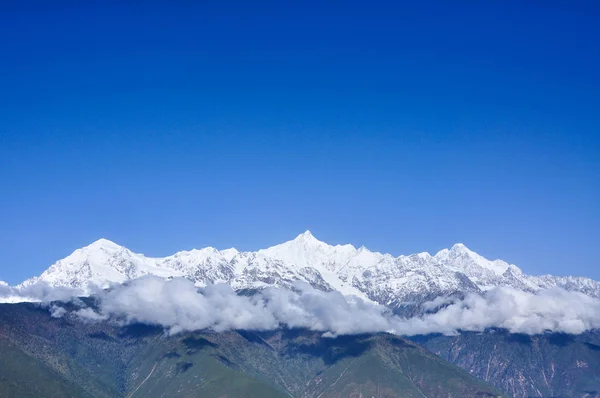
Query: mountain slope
[
  {"x": 401, "y": 283},
  {"x": 549, "y": 365},
  {"x": 22, "y": 376},
  {"x": 105, "y": 360},
  {"x": 392, "y": 281}
]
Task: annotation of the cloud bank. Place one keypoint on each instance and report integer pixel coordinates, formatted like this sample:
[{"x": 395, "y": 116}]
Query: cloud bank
[
  {"x": 554, "y": 310},
  {"x": 178, "y": 305},
  {"x": 39, "y": 292}
]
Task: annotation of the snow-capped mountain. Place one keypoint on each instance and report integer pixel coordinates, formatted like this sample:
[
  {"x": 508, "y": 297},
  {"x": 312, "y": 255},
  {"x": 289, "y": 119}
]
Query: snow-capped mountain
[{"x": 396, "y": 282}]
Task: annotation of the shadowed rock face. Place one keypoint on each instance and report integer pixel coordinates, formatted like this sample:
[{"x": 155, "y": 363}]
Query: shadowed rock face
[
  {"x": 104, "y": 360},
  {"x": 550, "y": 365}
]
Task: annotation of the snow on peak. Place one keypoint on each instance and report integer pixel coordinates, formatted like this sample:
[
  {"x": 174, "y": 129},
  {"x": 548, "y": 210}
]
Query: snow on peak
[
  {"x": 424, "y": 256},
  {"x": 458, "y": 249},
  {"x": 306, "y": 234},
  {"x": 481, "y": 271},
  {"x": 230, "y": 253},
  {"x": 303, "y": 251},
  {"x": 351, "y": 271},
  {"x": 461, "y": 248},
  {"x": 103, "y": 243},
  {"x": 307, "y": 238},
  {"x": 100, "y": 263}
]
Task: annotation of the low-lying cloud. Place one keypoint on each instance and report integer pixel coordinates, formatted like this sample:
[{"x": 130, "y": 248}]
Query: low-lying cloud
[
  {"x": 39, "y": 292},
  {"x": 554, "y": 310},
  {"x": 178, "y": 305}
]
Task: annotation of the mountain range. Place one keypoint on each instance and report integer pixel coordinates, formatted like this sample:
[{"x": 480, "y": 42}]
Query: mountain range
[
  {"x": 65, "y": 350},
  {"x": 45, "y": 356},
  {"x": 401, "y": 283}
]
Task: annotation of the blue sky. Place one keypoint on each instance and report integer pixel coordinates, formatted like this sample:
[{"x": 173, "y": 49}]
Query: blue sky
[{"x": 403, "y": 128}]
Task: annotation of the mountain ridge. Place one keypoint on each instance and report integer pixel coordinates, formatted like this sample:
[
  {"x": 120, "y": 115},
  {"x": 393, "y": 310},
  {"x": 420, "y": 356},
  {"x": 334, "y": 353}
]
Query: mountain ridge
[
  {"x": 377, "y": 277},
  {"x": 105, "y": 359},
  {"x": 408, "y": 285}
]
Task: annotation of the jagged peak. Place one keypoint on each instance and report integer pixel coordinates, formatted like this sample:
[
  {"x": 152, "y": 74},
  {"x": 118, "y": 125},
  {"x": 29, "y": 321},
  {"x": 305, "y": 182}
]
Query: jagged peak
[
  {"x": 307, "y": 240},
  {"x": 204, "y": 252},
  {"x": 306, "y": 236},
  {"x": 305, "y": 250},
  {"x": 423, "y": 255},
  {"x": 207, "y": 249},
  {"x": 442, "y": 252},
  {"x": 459, "y": 250},
  {"x": 304, "y": 240},
  {"x": 460, "y": 247},
  {"x": 513, "y": 269},
  {"x": 230, "y": 253},
  {"x": 456, "y": 249}
]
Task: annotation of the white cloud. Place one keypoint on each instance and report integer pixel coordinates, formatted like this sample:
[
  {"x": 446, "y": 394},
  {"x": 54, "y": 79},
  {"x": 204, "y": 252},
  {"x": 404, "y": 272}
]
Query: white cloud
[
  {"x": 57, "y": 312},
  {"x": 38, "y": 292},
  {"x": 326, "y": 311},
  {"x": 89, "y": 315},
  {"x": 179, "y": 306},
  {"x": 554, "y": 310}
]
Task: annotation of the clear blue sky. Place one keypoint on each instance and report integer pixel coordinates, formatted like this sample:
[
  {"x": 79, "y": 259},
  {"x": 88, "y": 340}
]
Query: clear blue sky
[{"x": 401, "y": 127}]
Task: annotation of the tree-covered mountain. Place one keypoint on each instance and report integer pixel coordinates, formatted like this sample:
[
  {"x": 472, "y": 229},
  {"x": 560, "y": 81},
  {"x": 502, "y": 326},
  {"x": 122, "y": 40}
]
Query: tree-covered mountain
[
  {"x": 546, "y": 365},
  {"x": 452, "y": 291},
  {"x": 61, "y": 357}
]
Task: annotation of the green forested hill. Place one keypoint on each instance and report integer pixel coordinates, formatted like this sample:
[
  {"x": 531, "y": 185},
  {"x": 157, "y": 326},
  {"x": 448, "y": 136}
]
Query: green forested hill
[
  {"x": 22, "y": 376},
  {"x": 44, "y": 356},
  {"x": 549, "y": 365}
]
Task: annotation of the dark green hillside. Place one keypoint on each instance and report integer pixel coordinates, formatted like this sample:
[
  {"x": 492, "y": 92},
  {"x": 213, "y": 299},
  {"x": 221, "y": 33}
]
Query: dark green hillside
[
  {"x": 551, "y": 365},
  {"x": 22, "y": 376},
  {"x": 71, "y": 358},
  {"x": 301, "y": 364}
]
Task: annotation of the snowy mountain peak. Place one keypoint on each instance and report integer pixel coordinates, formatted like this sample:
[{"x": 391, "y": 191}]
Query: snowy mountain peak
[
  {"x": 104, "y": 243},
  {"x": 457, "y": 250},
  {"x": 303, "y": 243},
  {"x": 303, "y": 251},
  {"x": 307, "y": 237},
  {"x": 229, "y": 254},
  {"x": 481, "y": 271},
  {"x": 382, "y": 278},
  {"x": 460, "y": 247}
]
